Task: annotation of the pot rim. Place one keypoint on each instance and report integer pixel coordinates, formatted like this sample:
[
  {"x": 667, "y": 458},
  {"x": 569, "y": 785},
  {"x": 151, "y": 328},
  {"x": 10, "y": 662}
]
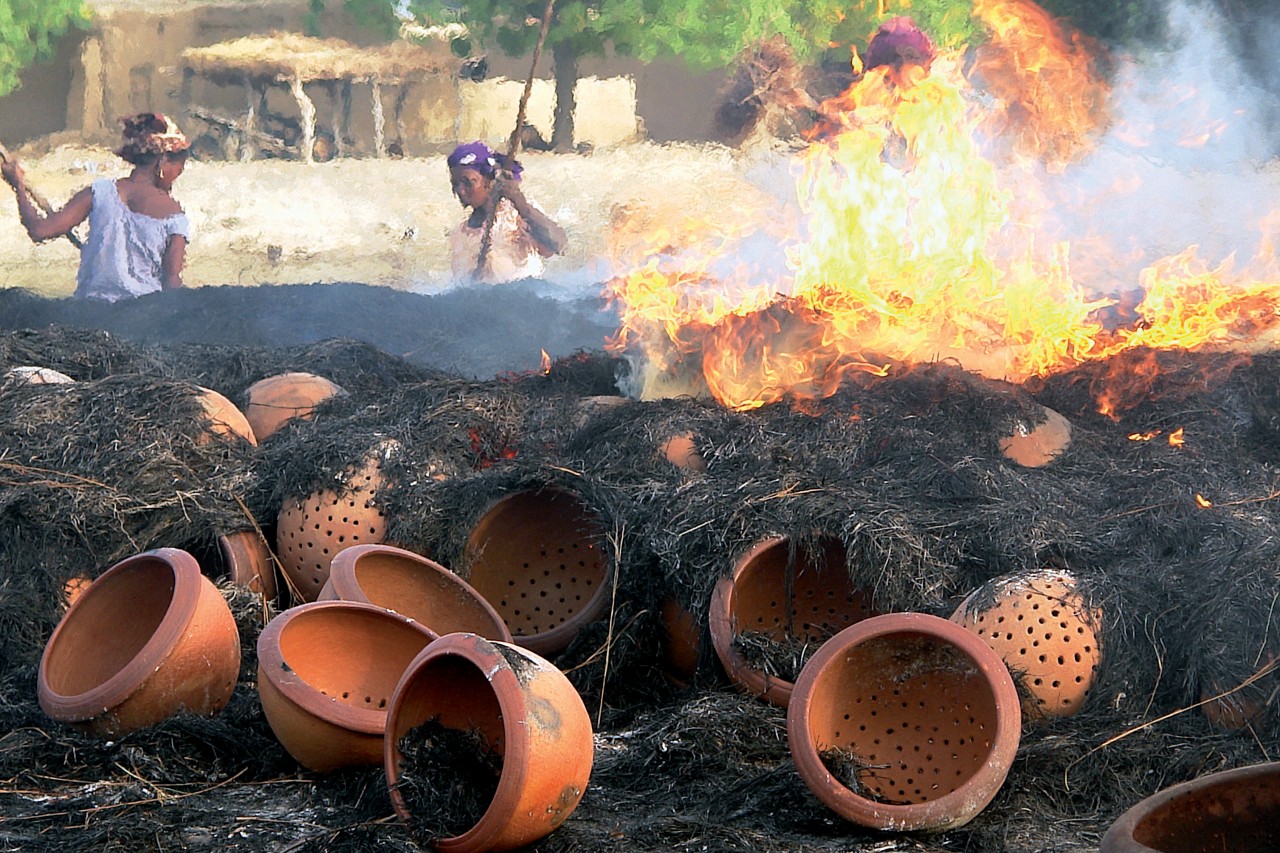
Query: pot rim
[
  {"x": 483, "y": 654},
  {"x": 187, "y": 588},
  {"x": 346, "y": 584},
  {"x": 237, "y": 548},
  {"x": 1119, "y": 838},
  {"x": 272, "y": 666},
  {"x": 931, "y": 813}
]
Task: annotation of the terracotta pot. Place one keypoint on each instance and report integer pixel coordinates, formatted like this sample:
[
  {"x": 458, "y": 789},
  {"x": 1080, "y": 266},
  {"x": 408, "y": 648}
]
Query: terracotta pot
[
  {"x": 682, "y": 641},
  {"x": 412, "y": 586},
  {"x": 248, "y": 562},
  {"x": 524, "y": 709},
  {"x": 754, "y": 599},
  {"x": 923, "y": 713},
  {"x": 149, "y": 638},
  {"x": 537, "y": 557},
  {"x": 682, "y": 451},
  {"x": 225, "y": 419},
  {"x": 277, "y": 399},
  {"x": 1039, "y": 624},
  {"x": 311, "y": 531},
  {"x": 1232, "y": 811},
  {"x": 326, "y": 671},
  {"x": 1035, "y": 447}
]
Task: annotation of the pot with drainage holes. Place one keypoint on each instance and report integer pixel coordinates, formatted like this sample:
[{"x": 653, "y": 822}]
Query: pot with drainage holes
[
  {"x": 783, "y": 600},
  {"x": 904, "y": 722},
  {"x": 1231, "y": 811},
  {"x": 1040, "y": 624},
  {"x": 537, "y": 557},
  {"x": 412, "y": 586},
  {"x": 326, "y": 671}
]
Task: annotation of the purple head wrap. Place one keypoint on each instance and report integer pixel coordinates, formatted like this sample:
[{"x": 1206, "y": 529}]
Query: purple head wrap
[
  {"x": 482, "y": 158},
  {"x": 897, "y": 42}
]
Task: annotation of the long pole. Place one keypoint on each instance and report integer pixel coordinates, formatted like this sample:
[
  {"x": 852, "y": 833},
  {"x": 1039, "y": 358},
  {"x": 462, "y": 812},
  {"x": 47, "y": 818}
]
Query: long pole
[
  {"x": 40, "y": 200},
  {"x": 513, "y": 147}
]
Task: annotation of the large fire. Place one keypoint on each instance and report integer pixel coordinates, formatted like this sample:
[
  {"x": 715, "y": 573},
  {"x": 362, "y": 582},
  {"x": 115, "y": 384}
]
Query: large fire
[{"x": 919, "y": 235}]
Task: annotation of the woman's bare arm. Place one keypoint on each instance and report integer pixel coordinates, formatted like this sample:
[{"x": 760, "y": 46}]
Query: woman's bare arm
[
  {"x": 38, "y": 226},
  {"x": 545, "y": 231},
  {"x": 175, "y": 254}
]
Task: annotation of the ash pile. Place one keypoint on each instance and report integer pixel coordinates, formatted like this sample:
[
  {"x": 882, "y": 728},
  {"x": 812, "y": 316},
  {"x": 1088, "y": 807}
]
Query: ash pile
[{"x": 908, "y": 490}]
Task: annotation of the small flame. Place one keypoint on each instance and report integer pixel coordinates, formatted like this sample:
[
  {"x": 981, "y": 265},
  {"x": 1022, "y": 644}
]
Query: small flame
[
  {"x": 1176, "y": 438},
  {"x": 1202, "y": 501},
  {"x": 545, "y": 363},
  {"x": 1144, "y": 436}
]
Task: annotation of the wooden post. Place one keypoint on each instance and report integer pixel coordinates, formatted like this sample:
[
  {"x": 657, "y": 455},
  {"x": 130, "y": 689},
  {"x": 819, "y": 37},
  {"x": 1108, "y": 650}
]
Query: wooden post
[{"x": 379, "y": 121}]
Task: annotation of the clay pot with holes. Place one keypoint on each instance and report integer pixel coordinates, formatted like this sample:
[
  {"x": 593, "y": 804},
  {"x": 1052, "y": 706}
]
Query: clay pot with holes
[
  {"x": 311, "y": 531},
  {"x": 1231, "y": 811},
  {"x": 225, "y": 420},
  {"x": 274, "y": 401},
  {"x": 524, "y": 709},
  {"x": 1040, "y": 625},
  {"x": 248, "y": 562},
  {"x": 822, "y": 601},
  {"x": 412, "y": 586},
  {"x": 904, "y": 722},
  {"x": 151, "y": 637},
  {"x": 326, "y": 672},
  {"x": 538, "y": 558}
]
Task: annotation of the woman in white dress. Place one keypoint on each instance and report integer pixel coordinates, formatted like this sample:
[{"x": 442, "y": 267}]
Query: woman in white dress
[
  {"x": 137, "y": 231},
  {"x": 521, "y": 235}
]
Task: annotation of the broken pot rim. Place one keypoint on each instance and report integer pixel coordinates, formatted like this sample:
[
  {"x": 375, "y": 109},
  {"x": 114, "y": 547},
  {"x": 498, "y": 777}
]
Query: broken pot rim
[
  {"x": 296, "y": 689},
  {"x": 92, "y": 703},
  {"x": 346, "y": 585},
  {"x": 485, "y": 657},
  {"x": 931, "y": 814},
  {"x": 1120, "y": 837}
]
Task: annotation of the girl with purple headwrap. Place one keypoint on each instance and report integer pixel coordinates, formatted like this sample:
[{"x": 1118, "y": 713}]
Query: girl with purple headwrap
[{"x": 521, "y": 235}]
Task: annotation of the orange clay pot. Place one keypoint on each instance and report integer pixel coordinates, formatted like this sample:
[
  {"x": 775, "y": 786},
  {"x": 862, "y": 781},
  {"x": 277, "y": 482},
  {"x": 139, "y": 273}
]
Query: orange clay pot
[
  {"x": 754, "y": 599},
  {"x": 925, "y": 712},
  {"x": 225, "y": 420},
  {"x": 1038, "y": 623},
  {"x": 326, "y": 671},
  {"x": 681, "y": 642},
  {"x": 149, "y": 638},
  {"x": 248, "y": 562},
  {"x": 536, "y": 556},
  {"x": 1232, "y": 811},
  {"x": 413, "y": 586},
  {"x": 528, "y": 713},
  {"x": 1036, "y": 447},
  {"x": 277, "y": 399},
  {"x": 311, "y": 531}
]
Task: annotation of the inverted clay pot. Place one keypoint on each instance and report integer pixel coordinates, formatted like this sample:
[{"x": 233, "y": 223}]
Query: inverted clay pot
[
  {"x": 1035, "y": 447},
  {"x": 311, "y": 531},
  {"x": 248, "y": 562},
  {"x": 278, "y": 399},
  {"x": 1039, "y": 624},
  {"x": 524, "y": 709},
  {"x": 1232, "y": 811},
  {"x": 412, "y": 586},
  {"x": 149, "y": 638},
  {"x": 536, "y": 556},
  {"x": 919, "y": 717},
  {"x": 225, "y": 419},
  {"x": 326, "y": 672},
  {"x": 754, "y": 599}
]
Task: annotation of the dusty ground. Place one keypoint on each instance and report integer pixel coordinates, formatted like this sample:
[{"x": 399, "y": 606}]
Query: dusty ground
[{"x": 373, "y": 221}]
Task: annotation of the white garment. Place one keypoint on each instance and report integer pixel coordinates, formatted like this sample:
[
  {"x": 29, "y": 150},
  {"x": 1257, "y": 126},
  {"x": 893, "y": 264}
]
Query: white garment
[
  {"x": 122, "y": 256},
  {"x": 513, "y": 254}
]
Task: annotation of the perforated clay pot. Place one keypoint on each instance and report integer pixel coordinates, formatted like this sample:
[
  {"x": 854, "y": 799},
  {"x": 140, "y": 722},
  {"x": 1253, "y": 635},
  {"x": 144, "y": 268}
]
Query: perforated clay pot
[
  {"x": 277, "y": 399},
  {"x": 413, "y": 586},
  {"x": 524, "y": 709},
  {"x": 1039, "y": 624},
  {"x": 1232, "y": 811},
  {"x": 754, "y": 598},
  {"x": 151, "y": 637},
  {"x": 311, "y": 531},
  {"x": 326, "y": 672},
  {"x": 536, "y": 556},
  {"x": 917, "y": 715}
]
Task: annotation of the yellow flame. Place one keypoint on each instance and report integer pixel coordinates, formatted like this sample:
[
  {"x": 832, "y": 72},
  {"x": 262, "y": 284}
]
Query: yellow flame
[
  {"x": 1176, "y": 438},
  {"x": 1202, "y": 501}
]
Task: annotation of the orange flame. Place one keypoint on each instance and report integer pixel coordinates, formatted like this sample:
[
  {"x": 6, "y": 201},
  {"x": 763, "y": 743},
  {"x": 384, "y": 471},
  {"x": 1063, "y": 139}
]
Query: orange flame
[
  {"x": 545, "y": 363},
  {"x": 917, "y": 237},
  {"x": 1176, "y": 438}
]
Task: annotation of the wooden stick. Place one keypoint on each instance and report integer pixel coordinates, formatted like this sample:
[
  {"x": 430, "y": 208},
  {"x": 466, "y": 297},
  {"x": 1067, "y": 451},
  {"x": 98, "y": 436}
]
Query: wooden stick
[
  {"x": 41, "y": 201},
  {"x": 513, "y": 147}
]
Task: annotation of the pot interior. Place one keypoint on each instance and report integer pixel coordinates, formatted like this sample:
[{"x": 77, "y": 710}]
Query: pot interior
[{"x": 1239, "y": 814}]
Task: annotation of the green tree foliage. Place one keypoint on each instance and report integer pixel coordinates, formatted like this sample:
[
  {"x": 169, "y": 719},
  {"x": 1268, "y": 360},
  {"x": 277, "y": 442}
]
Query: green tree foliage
[{"x": 28, "y": 31}]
